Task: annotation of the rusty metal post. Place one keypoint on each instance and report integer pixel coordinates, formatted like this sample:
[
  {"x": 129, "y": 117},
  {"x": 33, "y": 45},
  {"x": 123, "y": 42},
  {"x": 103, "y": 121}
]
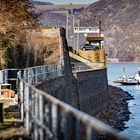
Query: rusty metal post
[{"x": 1, "y": 112}]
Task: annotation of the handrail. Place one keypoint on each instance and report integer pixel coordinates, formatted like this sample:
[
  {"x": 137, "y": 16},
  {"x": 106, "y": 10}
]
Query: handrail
[
  {"x": 45, "y": 116},
  {"x": 4, "y": 74}
]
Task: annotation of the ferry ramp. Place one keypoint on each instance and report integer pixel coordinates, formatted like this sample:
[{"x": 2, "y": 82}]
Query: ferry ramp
[{"x": 80, "y": 63}]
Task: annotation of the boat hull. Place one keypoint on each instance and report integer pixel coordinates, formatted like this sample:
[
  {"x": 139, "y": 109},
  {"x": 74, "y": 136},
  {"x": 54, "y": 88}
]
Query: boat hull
[
  {"x": 133, "y": 80},
  {"x": 126, "y": 83}
]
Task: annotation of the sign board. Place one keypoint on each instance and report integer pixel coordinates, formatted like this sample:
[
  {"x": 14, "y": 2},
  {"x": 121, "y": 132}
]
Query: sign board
[{"x": 86, "y": 30}]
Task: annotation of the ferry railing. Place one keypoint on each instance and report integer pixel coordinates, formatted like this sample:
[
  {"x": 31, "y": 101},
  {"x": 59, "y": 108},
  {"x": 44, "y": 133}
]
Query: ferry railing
[
  {"x": 87, "y": 66},
  {"x": 46, "y": 117}
]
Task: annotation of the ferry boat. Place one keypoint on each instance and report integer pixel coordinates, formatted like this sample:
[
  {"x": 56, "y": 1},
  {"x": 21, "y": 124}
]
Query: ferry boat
[{"x": 133, "y": 80}]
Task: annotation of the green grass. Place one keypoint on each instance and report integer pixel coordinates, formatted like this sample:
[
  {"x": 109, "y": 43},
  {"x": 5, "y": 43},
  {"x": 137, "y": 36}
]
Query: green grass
[{"x": 63, "y": 6}]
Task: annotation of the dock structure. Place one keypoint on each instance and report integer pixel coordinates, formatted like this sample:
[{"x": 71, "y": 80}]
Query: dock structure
[{"x": 92, "y": 52}]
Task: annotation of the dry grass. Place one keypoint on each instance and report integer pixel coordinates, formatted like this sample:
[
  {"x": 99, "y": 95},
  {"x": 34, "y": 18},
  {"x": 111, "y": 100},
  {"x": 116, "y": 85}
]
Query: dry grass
[{"x": 53, "y": 58}]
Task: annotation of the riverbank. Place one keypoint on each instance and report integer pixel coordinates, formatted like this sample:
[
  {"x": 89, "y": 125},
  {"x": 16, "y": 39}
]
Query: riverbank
[
  {"x": 123, "y": 62},
  {"x": 117, "y": 112}
]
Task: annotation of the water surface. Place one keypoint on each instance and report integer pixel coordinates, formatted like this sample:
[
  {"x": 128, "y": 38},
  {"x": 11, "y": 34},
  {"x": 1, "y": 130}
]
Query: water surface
[{"x": 114, "y": 72}]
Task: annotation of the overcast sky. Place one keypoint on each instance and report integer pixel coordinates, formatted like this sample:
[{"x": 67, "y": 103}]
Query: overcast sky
[{"x": 69, "y": 1}]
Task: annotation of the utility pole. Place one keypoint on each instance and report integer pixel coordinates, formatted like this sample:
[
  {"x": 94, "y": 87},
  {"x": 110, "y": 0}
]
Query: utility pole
[
  {"x": 73, "y": 37},
  {"x": 67, "y": 24},
  {"x": 78, "y": 37},
  {"x": 100, "y": 27}
]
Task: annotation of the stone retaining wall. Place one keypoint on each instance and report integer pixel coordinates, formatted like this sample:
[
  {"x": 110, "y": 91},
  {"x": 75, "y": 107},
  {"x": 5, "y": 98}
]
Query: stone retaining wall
[
  {"x": 88, "y": 91},
  {"x": 93, "y": 91}
]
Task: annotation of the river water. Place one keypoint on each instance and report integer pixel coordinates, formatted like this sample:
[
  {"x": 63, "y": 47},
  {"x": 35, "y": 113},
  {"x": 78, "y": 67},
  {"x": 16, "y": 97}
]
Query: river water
[{"x": 133, "y": 125}]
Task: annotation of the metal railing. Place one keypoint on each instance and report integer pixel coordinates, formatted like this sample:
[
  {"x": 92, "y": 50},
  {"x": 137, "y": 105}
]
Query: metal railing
[
  {"x": 83, "y": 64},
  {"x": 46, "y": 117},
  {"x": 38, "y": 74},
  {"x": 4, "y": 76},
  {"x": 9, "y": 76},
  {"x": 88, "y": 66}
]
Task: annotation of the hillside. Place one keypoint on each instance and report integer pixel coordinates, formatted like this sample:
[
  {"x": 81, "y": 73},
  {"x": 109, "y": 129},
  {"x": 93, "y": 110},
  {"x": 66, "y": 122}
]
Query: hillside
[
  {"x": 121, "y": 26},
  {"x": 60, "y": 6},
  {"x": 41, "y": 3}
]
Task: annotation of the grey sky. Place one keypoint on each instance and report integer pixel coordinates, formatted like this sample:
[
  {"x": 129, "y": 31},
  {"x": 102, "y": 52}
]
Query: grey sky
[{"x": 69, "y": 1}]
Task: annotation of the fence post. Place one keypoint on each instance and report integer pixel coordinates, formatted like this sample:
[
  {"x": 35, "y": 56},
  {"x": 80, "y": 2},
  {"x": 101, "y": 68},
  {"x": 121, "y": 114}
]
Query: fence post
[
  {"x": 1, "y": 77},
  {"x": 41, "y": 115},
  {"x": 27, "y": 106},
  {"x": 22, "y": 100},
  {"x": 36, "y": 115},
  {"x": 1, "y": 112},
  {"x": 6, "y": 76},
  {"x": 36, "y": 76}
]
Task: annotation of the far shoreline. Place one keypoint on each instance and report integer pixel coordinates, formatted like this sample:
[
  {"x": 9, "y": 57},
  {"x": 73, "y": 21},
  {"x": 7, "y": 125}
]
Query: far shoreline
[{"x": 123, "y": 63}]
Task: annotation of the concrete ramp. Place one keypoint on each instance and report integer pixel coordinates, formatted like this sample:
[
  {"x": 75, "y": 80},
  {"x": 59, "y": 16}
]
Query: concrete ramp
[
  {"x": 79, "y": 58},
  {"x": 82, "y": 64}
]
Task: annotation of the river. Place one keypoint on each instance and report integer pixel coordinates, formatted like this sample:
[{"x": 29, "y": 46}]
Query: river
[{"x": 115, "y": 71}]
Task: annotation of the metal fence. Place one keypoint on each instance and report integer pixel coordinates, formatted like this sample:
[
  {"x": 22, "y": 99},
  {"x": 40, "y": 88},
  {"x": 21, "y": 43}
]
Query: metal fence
[
  {"x": 9, "y": 76},
  {"x": 46, "y": 117},
  {"x": 87, "y": 66},
  {"x": 4, "y": 76},
  {"x": 38, "y": 74}
]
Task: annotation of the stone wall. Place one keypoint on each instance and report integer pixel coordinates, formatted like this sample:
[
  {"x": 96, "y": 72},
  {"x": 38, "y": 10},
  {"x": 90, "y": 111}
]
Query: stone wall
[
  {"x": 88, "y": 91},
  {"x": 60, "y": 88},
  {"x": 92, "y": 91}
]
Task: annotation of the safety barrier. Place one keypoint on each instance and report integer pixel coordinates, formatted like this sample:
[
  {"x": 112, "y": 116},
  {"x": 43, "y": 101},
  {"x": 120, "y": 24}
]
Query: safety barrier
[
  {"x": 8, "y": 77},
  {"x": 87, "y": 61},
  {"x": 46, "y": 117},
  {"x": 88, "y": 66}
]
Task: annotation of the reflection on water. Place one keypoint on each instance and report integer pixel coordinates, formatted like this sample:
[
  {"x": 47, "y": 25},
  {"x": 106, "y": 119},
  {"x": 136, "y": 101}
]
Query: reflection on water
[{"x": 114, "y": 72}]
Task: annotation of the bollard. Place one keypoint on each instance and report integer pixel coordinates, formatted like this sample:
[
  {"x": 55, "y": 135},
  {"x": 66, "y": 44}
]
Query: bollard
[{"x": 1, "y": 112}]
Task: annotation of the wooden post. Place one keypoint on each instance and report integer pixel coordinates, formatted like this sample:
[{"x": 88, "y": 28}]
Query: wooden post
[{"x": 1, "y": 112}]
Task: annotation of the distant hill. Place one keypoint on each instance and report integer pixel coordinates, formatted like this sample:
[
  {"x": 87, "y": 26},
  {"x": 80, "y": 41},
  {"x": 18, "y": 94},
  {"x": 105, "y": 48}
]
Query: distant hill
[
  {"x": 42, "y": 3},
  {"x": 121, "y": 26}
]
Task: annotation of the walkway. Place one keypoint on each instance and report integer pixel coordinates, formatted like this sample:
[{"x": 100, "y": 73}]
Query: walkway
[{"x": 46, "y": 117}]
